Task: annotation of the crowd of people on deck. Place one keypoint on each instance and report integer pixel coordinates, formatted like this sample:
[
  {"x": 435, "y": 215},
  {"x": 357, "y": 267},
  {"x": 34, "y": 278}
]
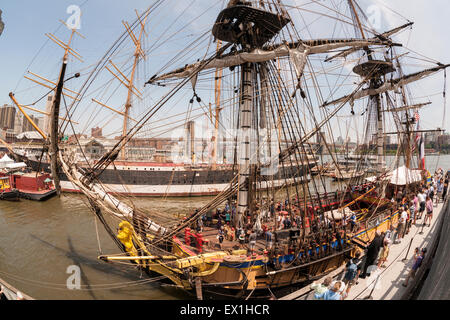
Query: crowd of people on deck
[
  {"x": 269, "y": 216},
  {"x": 413, "y": 208},
  {"x": 412, "y": 205},
  {"x": 288, "y": 214}
]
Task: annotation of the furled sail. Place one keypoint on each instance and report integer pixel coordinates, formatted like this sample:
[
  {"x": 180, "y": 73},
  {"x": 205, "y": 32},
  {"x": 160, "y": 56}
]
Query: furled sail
[
  {"x": 389, "y": 85},
  {"x": 298, "y": 53},
  {"x": 382, "y": 36},
  {"x": 405, "y": 108}
]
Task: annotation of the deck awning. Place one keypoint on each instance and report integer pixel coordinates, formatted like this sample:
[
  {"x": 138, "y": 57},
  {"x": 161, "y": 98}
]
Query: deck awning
[{"x": 401, "y": 176}]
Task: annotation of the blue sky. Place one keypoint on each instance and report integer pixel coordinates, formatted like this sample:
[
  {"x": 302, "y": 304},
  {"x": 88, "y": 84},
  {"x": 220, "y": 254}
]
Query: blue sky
[
  {"x": 27, "y": 21},
  {"x": 24, "y": 45}
]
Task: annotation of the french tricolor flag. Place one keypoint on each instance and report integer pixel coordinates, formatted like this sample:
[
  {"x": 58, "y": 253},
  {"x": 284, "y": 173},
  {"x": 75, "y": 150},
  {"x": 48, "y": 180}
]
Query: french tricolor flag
[
  {"x": 422, "y": 151},
  {"x": 420, "y": 142}
]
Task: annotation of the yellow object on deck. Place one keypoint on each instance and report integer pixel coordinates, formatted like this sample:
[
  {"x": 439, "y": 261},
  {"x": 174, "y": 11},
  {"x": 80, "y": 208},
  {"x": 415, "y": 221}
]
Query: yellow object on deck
[{"x": 4, "y": 184}]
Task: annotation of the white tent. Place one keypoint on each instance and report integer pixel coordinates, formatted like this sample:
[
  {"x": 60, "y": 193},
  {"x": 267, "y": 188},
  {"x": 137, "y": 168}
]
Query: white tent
[
  {"x": 8, "y": 163},
  {"x": 5, "y": 161},
  {"x": 401, "y": 176}
]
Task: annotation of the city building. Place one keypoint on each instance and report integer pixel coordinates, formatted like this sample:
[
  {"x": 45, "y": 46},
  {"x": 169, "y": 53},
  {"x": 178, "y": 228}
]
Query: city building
[
  {"x": 7, "y": 117},
  {"x": 97, "y": 132},
  {"x": 18, "y": 123},
  {"x": 47, "y": 119},
  {"x": 30, "y": 136},
  {"x": 431, "y": 137},
  {"x": 444, "y": 139},
  {"x": 27, "y": 126},
  {"x": 7, "y": 135}
]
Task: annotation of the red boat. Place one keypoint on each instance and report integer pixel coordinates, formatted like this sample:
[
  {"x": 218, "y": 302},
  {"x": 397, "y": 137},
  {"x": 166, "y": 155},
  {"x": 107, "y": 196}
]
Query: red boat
[{"x": 33, "y": 185}]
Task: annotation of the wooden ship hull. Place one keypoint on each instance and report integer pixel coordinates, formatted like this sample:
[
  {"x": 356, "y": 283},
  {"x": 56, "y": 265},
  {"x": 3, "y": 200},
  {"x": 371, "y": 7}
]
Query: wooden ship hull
[{"x": 231, "y": 272}]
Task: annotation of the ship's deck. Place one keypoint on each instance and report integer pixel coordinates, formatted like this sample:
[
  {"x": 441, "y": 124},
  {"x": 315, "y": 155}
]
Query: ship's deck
[{"x": 212, "y": 242}]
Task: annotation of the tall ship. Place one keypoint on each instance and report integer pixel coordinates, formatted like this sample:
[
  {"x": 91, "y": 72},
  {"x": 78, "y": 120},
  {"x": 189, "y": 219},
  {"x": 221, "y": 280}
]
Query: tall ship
[
  {"x": 153, "y": 179},
  {"x": 273, "y": 227}
]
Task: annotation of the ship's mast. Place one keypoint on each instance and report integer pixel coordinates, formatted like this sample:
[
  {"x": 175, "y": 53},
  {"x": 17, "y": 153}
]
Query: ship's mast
[
  {"x": 407, "y": 124},
  {"x": 250, "y": 28},
  {"x": 54, "y": 124},
  {"x": 53, "y": 135},
  {"x": 218, "y": 85},
  {"x": 375, "y": 72},
  {"x": 131, "y": 90},
  {"x": 245, "y": 126}
]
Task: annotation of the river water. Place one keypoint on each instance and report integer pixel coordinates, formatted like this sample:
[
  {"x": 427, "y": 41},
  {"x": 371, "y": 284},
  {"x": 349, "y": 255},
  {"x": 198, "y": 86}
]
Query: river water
[{"x": 40, "y": 241}]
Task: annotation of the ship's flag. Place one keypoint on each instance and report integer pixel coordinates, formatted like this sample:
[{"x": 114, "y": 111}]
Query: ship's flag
[
  {"x": 422, "y": 152},
  {"x": 417, "y": 138},
  {"x": 419, "y": 141}
]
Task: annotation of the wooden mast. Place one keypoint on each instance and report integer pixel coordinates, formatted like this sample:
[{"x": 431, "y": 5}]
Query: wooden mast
[
  {"x": 218, "y": 86},
  {"x": 11, "y": 95},
  {"x": 407, "y": 126},
  {"x": 138, "y": 52},
  {"x": 54, "y": 124},
  {"x": 374, "y": 83},
  {"x": 53, "y": 135}
]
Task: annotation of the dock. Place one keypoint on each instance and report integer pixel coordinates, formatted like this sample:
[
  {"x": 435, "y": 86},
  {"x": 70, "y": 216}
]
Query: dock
[{"x": 386, "y": 283}]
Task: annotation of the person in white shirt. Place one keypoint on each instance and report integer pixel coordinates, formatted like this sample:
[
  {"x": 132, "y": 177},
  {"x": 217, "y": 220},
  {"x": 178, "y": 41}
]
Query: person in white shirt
[
  {"x": 401, "y": 225},
  {"x": 422, "y": 198}
]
